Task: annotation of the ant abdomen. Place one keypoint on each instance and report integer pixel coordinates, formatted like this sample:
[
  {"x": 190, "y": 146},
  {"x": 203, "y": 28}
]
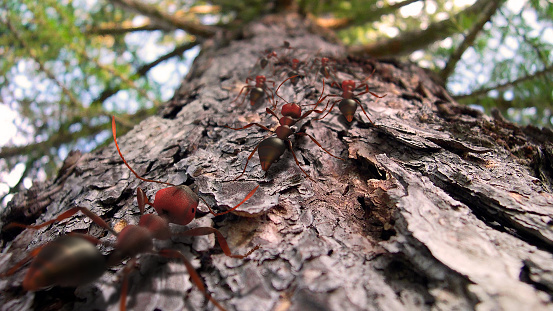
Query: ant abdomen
[
  {"x": 67, "y": 261},
  {"x": 270, "y": 150},
  {"x": 256, "y": 94},
  {"x": 348, "y": 107}
]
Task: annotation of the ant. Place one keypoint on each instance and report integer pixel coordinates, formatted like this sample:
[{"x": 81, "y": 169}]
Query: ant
[
  {"x": 256, "y": 91},
  {"x": 294, "y": 73},
  {"x": 176, "y": 203},
  {"x": 73, "y": 259},
  {"x": 324, "y": 67},
  {"x": 266, "y": 57},
  {"x": 270, "y": 149},
  {"x": 348, "y": 100}
]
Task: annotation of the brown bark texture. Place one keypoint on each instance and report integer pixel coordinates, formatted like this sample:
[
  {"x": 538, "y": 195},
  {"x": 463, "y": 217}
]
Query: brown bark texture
[{"x": 437, "y": 207}]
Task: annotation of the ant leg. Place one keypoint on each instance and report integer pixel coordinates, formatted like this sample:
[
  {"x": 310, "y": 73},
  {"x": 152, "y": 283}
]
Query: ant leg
[
  {"x": 271, "y": 81},
  {"x": 373, "y": 94},
  {"x": 18, "y": 265},
  {"x": 367, "y": 91},
  {"x": 333, "y": 77},
  {"x": 169, "y": 253},
  {"x": 329, "y": 110},
  {"x": 247, "y": 161},
  {"x": 322, "y": 92},
  {"x": 359, "y": 104},
  {"x": 367, "y": 78},
  {"x": 315, "y": 141},
  {"x": 232, "y": 209},
  {"x": 322, "y": 100},
  {"x": 316, "y": 105},
  {"x": 272, "y": 96},
  {"x": 247, "y": 126},
  {"x": 298, "y": 162},
  {"x": 245, "y": 94},
  {"x": 220, "y": 238},
  {"x": 141, "y": 199},
  {"x": 125, "y": 284},
  {"x": 95, "y": 218},
  {"x": 113, "y": 130}
]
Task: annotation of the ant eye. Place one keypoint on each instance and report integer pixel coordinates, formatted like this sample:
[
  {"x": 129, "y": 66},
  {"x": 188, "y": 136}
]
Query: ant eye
[{"x": 192, "y": 210}]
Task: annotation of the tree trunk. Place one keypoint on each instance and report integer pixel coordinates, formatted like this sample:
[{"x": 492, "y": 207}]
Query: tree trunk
[{"x": 436, "y": 207}]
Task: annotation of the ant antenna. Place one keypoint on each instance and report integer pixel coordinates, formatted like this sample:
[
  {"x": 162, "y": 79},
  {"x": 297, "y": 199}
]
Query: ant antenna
[
  {"x": 276, "y": 92},
  {"x": 127, "y": 164}
]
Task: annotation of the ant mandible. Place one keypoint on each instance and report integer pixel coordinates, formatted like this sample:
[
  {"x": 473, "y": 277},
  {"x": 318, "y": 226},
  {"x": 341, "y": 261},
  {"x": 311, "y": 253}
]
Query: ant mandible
[
  {"x": 348, "y": 100},
  {"x": 270, "y": 149},
  {"x": 256, "y": 91}
]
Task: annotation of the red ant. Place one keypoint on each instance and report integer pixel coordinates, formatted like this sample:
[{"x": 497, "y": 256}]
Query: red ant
[
  {"x": 294, "y": 73},
  {"x": 324, "y": 67},
  {"x": 348, "y": 101},
  {"x": 270, "y": 149},
  {"x": 177, "y": 203},
  {"x": 256, "y": 91},
  {"x": 265, "y": 58},
  {"x": 74, "y": 260}
]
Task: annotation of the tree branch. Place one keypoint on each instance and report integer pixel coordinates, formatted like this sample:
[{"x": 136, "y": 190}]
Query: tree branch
[
  {"x": 360, "y": 19},
  {"x": 142, "y": 70},
  {"x": 72, "y": 99},
  {"x": 56, "y": 141},
  {"x": 411, "y": 41},
  {"x": 167, "y": 20},
  {"x": 119, "y": 30},
  {"x": 500, "y": 87},
  {"x": 543, "y": 57},
  {"x": 468, "y": 41},
  {"x": 64, "y": 137}
]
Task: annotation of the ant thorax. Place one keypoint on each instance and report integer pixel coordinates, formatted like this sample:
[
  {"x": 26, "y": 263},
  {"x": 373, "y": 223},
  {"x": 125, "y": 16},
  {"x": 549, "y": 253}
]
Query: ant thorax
[
  {"x": 347, "y": 87},
  {"x": 260, "y": 81}
]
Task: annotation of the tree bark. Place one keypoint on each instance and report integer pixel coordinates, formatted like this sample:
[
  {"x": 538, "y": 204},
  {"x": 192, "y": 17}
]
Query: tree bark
[{"x": 436, "y": 207}]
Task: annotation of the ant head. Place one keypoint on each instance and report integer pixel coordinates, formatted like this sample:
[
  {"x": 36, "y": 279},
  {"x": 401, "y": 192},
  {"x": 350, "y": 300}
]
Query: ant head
[
  {"x": 260, "y": 79},
  {"x": 178, "y": 204},
  {"x": 272, "y": 54},
  {"x": 295, "y": 61},
  {"x": 324, "y": 60},
  {"x": 292, "y": 110},
  {"x": 348, "y": 85}
]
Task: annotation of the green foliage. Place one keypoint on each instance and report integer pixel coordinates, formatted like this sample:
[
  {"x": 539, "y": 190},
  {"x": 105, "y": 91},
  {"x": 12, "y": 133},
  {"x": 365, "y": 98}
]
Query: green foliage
[
  {"x": 516, "y": 47},
  {"x": 60, "y": 79}
]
